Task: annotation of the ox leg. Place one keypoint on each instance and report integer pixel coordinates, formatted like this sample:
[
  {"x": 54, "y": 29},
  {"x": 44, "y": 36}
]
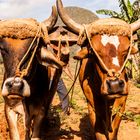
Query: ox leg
[
  {"x": 119, "y": 103},
  {"x": 37, "y": 123},
  {"x": 101, "y": 133},
  {"x": 92, "y": 119},
  {"x": 89, "y": 96},
  {"x": 27, "y": 127},
  {"x": 92, "y": 113},
  {"x": 11, "y": 118}
]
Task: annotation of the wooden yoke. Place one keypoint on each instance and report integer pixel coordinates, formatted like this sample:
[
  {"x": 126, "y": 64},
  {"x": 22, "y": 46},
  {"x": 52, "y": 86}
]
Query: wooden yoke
[
  {"x": 61, "y": 38},
  {"x": 64, "y": 32}
]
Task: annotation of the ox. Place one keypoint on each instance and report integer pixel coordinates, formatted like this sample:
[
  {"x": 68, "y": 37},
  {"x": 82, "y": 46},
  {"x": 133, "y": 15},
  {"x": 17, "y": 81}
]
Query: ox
[
  {"x": 26, "y": 82},
  {"x": 105, "y": 47}
]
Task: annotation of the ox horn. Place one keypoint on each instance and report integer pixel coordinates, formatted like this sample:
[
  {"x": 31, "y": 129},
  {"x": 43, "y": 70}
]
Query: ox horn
[
  {"x": 66, "y": 19},
  {"x": 51, "y": 21},
  {"x": 135, "y": 25}
]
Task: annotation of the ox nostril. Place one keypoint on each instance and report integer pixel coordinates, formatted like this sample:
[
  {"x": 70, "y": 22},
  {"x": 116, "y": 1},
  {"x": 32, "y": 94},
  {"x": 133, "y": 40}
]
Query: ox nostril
[
  {"x": 9, "y": 84},
  {"x": 121, "y": 83}
]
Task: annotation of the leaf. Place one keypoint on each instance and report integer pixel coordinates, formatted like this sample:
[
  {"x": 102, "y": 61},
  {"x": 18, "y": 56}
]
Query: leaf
[
  {"x": 108, "y": 12},
  {"x": 124, "y": 10},
  {"x": 136, "y": 10},
  {"x": 136, "y": 4},
  {"x": 137, "y": 119},
  {"x": 129, "y": 9}
]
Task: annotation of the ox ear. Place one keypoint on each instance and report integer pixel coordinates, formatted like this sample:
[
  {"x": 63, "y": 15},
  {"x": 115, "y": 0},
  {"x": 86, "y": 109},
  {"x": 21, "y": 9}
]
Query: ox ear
[
  {"x": 134, "y": 49},
  {"x": 47, "y": 58},
  {"x": 83, "y": 53}
]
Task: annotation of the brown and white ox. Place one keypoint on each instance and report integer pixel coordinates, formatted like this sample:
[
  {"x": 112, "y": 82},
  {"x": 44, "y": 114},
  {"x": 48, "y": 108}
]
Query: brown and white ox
[
  {"x": 27, "y": 95},
  {"x": 105, "y": 46}
]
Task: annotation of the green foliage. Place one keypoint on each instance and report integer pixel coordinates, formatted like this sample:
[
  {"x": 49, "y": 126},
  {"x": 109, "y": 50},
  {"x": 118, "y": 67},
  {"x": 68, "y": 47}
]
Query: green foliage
[
  {"x": 132, "y": 117},
  {"x": 109, "y": 12},
  {"x": 128, "y": 116},
  {"x": 73, "y": 103},
  {"x": 137, "y": 120},
  {"x": 136, "y": 10},
  {"x": 124, "y": 10},
  {"x": 129, "y": 12}
]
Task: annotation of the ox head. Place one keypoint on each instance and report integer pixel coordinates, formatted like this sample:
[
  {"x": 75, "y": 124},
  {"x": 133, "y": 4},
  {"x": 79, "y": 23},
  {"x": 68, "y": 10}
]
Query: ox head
[
  {"x": 110, "y": 43},
  {"x": 13, "y": 48}
]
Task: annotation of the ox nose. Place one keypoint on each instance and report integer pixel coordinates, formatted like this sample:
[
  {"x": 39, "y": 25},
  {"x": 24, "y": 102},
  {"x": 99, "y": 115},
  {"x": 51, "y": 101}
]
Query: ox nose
[
  {"x": 115, "y": 86},
  {"x": 16, "y": 85}
]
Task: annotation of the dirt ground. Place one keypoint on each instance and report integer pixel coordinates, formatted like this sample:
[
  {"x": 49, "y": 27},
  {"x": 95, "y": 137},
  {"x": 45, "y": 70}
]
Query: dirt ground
[{"x": 76, "y": 126}]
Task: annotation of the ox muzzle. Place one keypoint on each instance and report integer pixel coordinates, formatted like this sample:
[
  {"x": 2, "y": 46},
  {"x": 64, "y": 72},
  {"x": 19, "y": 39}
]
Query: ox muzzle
[
  {"x": 15, "y": 87},
  {"x": 114, "y": 88}
]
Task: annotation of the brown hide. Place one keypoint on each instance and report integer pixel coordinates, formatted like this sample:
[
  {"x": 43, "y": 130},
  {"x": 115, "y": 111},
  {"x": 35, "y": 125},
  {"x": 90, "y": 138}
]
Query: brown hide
[
  {"x": 102, "y": 75},
  {"x": 93, "y": 80},
  {"x": 26, "y": 87},
  {"x": 28, "y": 96},
  {"x": 107, "y": 54}
]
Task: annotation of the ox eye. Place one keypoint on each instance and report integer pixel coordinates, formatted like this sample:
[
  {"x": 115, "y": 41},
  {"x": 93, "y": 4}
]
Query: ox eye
[
  {"x": 1, "y": 46},
  {"x": 3, "y": 49},
  {"x": 124, "y": 55}
]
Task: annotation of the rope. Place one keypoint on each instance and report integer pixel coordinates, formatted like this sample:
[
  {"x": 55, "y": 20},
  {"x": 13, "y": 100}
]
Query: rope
[
  {"x": 75, "y": 75},
  {"x": 72, "y": 86},
  {"x": 99, "y": 58},
  {"x": 59, "y": 47},
  {"x": 69, "y": 72},
  {"x": 130, "y": 48},
  {"x": 24, "y": 72},
  {"x": 69, "y": 75},
  {"x": 110, "y": 72}
]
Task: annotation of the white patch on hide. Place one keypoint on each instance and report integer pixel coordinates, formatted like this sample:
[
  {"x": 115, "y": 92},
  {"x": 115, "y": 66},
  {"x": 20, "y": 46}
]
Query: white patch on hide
[
  {"x": 115, "y": 61},
  {"x": 110, "y": 39},
  {"x": 26, "y": 89}
]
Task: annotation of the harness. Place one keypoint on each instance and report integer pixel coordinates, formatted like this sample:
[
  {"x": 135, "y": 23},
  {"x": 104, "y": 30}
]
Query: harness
[
  {"x": 110, "y": 72},
  {"x": 41, "y": 32},
  {"x": 59, "y": 53}
]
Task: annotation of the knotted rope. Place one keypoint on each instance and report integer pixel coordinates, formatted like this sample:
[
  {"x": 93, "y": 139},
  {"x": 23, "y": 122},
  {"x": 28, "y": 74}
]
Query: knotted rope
[{"x": 42, "y": 31}]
